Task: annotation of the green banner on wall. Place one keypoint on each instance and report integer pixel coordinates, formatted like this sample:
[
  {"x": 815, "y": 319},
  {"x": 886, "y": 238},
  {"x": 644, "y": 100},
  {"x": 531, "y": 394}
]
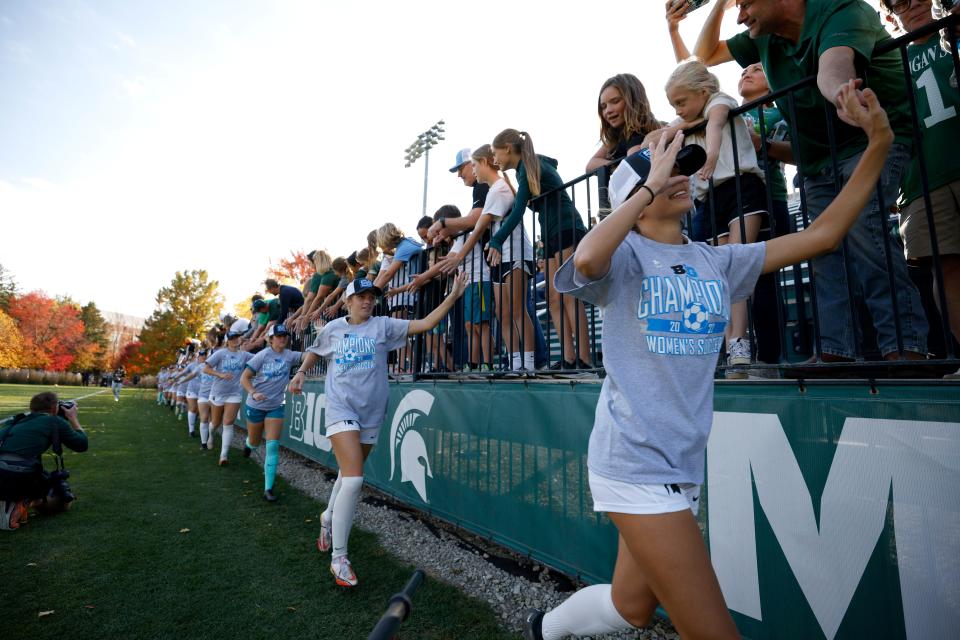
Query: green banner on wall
[{"x": 830, "y": 512}]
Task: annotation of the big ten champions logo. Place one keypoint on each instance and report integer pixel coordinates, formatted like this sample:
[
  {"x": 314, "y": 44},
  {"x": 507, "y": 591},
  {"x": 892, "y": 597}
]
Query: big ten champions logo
[
  {"x": 306, "y": 421},
  {"x": 414, "y": 462}
]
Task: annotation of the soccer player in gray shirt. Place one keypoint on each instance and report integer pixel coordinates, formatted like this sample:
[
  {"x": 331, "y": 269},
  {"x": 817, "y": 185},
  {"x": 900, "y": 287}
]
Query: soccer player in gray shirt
[
  {"x": 265, "y": 379},
  {"x": 356, "y": 348},
  {"x": 666, "y": 301}
]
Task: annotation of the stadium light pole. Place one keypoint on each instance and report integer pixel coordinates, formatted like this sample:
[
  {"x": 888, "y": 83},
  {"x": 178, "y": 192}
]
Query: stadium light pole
[{"x": 421, "y": 147}]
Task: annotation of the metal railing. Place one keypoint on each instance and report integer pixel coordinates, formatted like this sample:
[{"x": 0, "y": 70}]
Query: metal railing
[{"x": 785, "y": 323}]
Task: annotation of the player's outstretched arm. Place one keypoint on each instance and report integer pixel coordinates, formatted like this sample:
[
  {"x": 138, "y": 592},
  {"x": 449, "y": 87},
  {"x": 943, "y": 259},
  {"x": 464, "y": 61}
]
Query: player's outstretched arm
[{"x": 829, "y": 229}]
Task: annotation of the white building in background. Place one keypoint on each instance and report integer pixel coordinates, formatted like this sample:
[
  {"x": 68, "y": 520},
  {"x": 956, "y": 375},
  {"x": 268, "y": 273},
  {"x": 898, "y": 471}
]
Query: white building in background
[{"x": 121, "y": 329}]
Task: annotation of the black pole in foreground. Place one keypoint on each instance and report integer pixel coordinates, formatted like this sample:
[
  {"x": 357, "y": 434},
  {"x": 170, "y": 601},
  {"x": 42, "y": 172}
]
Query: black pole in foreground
[{"x": 398, "y": 609}]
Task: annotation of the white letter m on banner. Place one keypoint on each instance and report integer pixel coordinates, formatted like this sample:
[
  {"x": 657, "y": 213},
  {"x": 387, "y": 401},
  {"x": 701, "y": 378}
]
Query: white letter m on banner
[{"x": 919, "y": 462}]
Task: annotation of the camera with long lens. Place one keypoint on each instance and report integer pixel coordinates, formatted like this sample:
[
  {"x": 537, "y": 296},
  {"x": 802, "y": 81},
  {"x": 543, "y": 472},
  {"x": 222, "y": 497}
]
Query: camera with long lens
[
  {"x": 65, "y": 404},
  {"x": 59, "y": 486}
]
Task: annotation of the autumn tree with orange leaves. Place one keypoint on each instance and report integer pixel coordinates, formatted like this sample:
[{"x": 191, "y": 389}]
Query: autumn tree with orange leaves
[
  {"x": 296, "y": 268},
  {"x": 52, "y": 331}
]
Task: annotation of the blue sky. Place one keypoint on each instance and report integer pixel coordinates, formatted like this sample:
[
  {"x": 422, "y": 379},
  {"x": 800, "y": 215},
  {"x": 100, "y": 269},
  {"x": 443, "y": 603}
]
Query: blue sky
[{"x": 141, "y": 138}]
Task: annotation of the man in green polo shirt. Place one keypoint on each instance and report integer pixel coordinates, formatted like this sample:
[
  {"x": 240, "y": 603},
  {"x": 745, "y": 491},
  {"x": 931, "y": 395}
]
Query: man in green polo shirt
[
  {"x": 835, "y": 41},
  {"x": 22, "y": 441}
]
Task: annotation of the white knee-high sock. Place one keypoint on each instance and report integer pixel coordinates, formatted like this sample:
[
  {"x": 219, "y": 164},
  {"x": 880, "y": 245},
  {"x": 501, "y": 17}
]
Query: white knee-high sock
[
  {"x": 204, "y": 432},
  {"x": 327, "y": 514},
  {"x": 588, "y": 612},
  {"x": 227, "y": 441},
  {"x": 192, "y": 421},
  {"x": 343, "y": 511}
]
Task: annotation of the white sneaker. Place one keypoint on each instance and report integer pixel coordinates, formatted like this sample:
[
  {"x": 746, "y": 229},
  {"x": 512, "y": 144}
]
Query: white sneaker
[
  {"x": 738, "y": 352},
  {"x": 343, "y": 572},
  {"x": 953, "y": 376}
]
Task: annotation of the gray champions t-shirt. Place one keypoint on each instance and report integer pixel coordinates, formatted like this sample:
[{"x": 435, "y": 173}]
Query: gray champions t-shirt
[
  {"x": 232, "y": 362},
  {"x": 206, "y": 383},
  {"x": 665, "y": 308},
  {"x": 193, "y": 386},
  {"x": 356, "y": 354},
  {"x": 271, "y": 375}
]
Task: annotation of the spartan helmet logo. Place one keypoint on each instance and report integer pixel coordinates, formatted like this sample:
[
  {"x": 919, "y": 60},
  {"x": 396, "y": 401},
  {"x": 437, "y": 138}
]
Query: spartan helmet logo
[{"x": 410, "y": 443}]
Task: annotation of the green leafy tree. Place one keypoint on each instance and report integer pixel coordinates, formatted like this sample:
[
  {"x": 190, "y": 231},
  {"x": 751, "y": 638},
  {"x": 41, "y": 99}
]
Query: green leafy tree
[
  {"x": 185, "y": 309},
  {"x": 92, "y": 355},
  {"x": 193, "y": 299},
  {"x": 8, "y": 288}
]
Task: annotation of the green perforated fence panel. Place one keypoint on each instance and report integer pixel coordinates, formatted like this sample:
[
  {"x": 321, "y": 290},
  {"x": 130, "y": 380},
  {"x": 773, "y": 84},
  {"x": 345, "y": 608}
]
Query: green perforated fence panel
[{"x": 829, "y": 512}]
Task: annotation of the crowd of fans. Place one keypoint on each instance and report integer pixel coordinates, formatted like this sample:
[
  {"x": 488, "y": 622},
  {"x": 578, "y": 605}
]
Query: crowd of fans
[{"x": 740, "y": 196}]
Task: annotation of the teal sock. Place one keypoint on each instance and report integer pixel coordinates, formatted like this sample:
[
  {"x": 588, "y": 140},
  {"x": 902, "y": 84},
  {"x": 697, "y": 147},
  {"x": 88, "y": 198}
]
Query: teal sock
[
  {"x": 270, "y": 464},
  {"x": 247, "y": 444}
]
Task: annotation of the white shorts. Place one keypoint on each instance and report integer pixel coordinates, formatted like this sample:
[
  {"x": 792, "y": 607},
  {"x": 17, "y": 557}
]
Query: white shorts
[
  {"x": 219, "y": 401},
  {"x": 368, "y": 435},
  {"x": 204, "y": 399},
  {"x": 614, "y": 496},
  {"x": 192, "y": 396}
]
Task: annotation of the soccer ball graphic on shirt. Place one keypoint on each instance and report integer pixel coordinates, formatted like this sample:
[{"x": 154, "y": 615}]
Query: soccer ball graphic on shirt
[
  {"x": 695, "y": 317},
  {"x": 350, "y": 355}
]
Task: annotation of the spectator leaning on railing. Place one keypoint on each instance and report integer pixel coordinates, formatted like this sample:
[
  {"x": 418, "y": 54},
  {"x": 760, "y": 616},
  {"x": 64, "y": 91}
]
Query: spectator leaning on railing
[
  {"x": 718, "y": 188},
  {"x": 938, "y": 115},
  {"x": 561, "y": 229},
  {"x": 477, "y": 297},
  {"x": 753, "y": 86},
  {"x": 625, "y": 119},
  {"x": 835, "y": 40},
  {"x": 321, "y": 284},
  {"x": 290, "y": 298},
  {"x": 464, "y": 170}
]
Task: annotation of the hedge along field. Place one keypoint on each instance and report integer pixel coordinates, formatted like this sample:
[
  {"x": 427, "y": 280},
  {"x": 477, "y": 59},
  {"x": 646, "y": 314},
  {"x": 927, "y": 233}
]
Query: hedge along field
[{"x": 163, "y": 543}]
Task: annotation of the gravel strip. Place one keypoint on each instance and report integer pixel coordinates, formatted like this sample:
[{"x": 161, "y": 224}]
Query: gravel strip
[{"x": 508, "y": 582}]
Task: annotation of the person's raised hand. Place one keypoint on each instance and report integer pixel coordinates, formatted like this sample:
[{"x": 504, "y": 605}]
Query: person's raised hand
[
  {"x": 844, "y": 103},
  {"x": 449, "y": 263},
  {"x": 493, "y": 256},
  {"x": 706, "y": 171},
  {"x": 676, "y": 12},
  {"x": 864, "y": 111},
  {"x": 459, "y": 284},
  {"x": 71, "y": 413},
  {"x": 662, "y": 161}
]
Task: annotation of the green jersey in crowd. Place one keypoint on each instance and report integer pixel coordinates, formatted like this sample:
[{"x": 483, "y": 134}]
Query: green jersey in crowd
[
  {"x": 272, "y": 313},
  {"x": 938, "y": 115},
  {"x": 328, "y": 278}
]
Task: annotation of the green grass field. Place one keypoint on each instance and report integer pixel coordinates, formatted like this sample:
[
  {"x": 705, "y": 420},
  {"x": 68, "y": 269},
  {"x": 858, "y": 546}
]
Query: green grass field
[{"x": 120, "y": 565}]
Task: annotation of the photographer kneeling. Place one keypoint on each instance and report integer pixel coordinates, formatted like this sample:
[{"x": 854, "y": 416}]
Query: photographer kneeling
[{"x": 23, "y": 482}]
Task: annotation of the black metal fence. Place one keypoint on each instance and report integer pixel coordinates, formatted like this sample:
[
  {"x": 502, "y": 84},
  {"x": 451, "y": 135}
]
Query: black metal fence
[{"x": 515, "y": 310}]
